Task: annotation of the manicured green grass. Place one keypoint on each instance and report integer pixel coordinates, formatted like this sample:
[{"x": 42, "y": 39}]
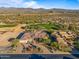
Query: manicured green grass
[
  {"x": 8, "y": 25},
  {"x": 48, "y": 26}
]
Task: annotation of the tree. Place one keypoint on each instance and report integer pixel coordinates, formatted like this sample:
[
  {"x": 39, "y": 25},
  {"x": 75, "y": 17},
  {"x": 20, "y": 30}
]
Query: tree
[
  {"x": 47, "y": 41},
  {"x": 15, "y": 42},
  {"x": 55, "y": 44},
  {"x": 72, "y": 27},
  {"x": 50, "y": 11},
  {"x": 76, "y": 44}
]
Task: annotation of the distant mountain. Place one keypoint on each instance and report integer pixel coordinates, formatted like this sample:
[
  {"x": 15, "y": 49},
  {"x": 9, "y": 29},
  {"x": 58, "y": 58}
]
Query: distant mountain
[{"x": 30, "y": 10}]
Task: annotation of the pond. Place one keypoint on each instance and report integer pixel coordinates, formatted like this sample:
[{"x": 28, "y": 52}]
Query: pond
[{"x": 20, "y": 35}]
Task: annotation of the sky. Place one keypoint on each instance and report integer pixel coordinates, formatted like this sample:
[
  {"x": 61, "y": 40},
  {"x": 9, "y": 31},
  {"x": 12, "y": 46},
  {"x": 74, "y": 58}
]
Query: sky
[{"x": 47, "y": 4}]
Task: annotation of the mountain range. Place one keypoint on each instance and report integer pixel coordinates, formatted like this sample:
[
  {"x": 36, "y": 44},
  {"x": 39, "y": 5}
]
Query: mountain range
[{"x": 31, "y": 10}]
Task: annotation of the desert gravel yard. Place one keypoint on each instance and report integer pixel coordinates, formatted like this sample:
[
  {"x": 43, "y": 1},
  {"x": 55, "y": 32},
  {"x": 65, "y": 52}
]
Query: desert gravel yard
[
  {"x": 11, "y": 32},
  {"x": 4, "y": 43}
]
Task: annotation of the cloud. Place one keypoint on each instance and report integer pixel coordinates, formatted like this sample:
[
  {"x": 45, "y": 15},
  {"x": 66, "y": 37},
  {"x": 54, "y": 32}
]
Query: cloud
[
  {"x": 10, "y": 3},
  {"x": 32, "y": 4},
  {"x": 20, "y": 3}
]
